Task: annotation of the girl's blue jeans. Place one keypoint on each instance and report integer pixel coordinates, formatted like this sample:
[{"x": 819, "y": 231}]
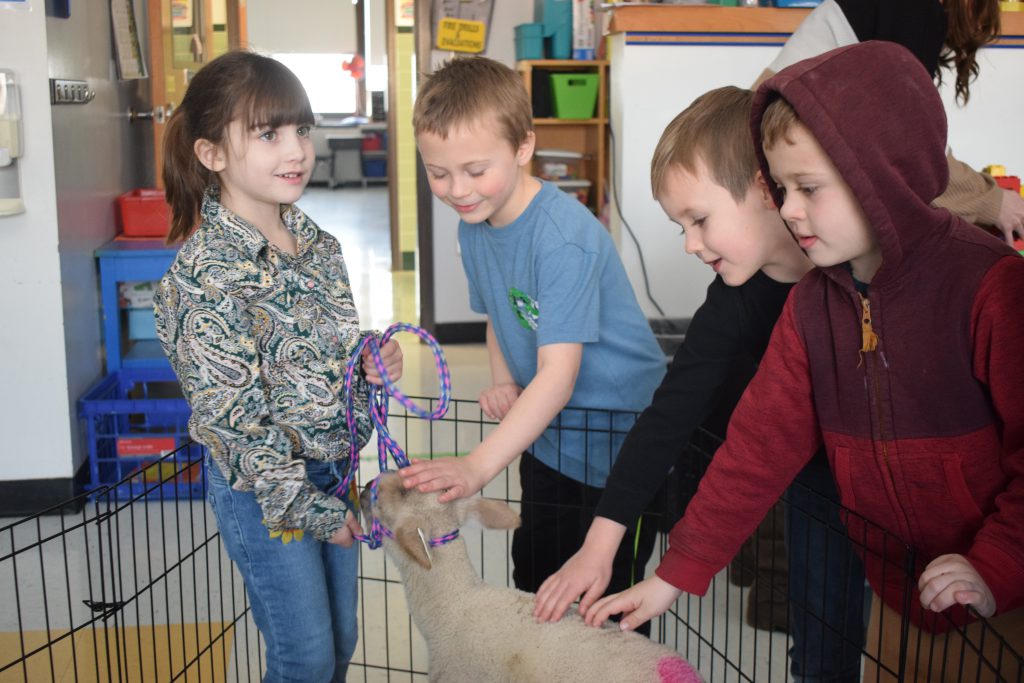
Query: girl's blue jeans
[{"x": 303, "y": 593}]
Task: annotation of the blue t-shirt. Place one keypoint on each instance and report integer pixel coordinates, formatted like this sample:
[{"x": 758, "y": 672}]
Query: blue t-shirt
[{"x": 553, "y": 276}]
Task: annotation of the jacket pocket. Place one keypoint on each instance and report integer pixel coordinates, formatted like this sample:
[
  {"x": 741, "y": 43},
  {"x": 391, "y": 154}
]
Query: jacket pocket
[{"x": 958, "y": 489}]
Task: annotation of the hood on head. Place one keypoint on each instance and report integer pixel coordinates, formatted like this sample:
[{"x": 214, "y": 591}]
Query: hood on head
[{"x": 877, "y": 114}]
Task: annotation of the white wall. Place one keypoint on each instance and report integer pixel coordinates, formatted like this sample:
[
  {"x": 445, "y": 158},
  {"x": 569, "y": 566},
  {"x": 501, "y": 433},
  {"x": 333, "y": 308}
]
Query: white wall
[
  {"x": 33, "y": 403},
  {"x": 302, "y": 25},
  {"x": 78, "y": 158},
  {"x": 988, "y": 131},
  {"x": 451, "y": 290}
]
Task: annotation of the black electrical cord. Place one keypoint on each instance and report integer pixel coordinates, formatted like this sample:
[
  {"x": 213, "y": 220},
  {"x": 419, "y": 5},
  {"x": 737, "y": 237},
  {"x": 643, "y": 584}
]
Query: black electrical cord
[{"x": 618, "y": 210}]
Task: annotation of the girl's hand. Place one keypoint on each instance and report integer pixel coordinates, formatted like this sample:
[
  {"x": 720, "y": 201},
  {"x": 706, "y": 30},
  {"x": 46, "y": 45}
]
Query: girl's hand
[
  {"x": 391, "y": 354},
  {"x": 642, "y": 602},
  {"x": 346, "y": 534},
  {"x": 588, "y": 572},
  {"x": 498, "y": 400},
  {"x": 460, "y": 476},
  {"x": 950, "y": 580}
]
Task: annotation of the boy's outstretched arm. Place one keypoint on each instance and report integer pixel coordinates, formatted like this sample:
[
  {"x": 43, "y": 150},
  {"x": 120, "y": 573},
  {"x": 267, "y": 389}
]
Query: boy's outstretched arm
[{"x": 534, "y": 410}]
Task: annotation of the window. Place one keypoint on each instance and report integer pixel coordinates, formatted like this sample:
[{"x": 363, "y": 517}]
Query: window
[{"x": 331, "y": 89}]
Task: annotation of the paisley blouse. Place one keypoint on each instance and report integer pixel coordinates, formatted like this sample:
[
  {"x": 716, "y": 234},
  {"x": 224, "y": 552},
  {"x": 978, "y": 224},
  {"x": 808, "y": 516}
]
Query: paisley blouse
[{"x": 259, "y": 340}]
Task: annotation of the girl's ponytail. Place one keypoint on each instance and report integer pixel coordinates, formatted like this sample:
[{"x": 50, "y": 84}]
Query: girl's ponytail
[{"x": 185, "y": 179}]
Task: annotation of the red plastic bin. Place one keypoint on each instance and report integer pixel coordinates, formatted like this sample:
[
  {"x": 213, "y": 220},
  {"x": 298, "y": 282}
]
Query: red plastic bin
[{"x": 144, "y": 213}]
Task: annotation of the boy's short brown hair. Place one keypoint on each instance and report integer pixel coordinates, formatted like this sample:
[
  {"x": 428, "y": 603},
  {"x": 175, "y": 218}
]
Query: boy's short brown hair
[
  {"x": 464, "y": 89},
  {"x": 715, "y": 129},
  {"x": 777, "y": 123}
]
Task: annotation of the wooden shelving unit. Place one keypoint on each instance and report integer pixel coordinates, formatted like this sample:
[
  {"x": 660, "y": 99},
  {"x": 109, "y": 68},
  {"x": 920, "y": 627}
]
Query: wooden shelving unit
[{"x": 586, "y": 136}]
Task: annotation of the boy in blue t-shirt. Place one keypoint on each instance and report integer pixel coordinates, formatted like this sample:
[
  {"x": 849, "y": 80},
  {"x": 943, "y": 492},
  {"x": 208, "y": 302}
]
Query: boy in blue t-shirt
[{"x": 564, "y": 330}]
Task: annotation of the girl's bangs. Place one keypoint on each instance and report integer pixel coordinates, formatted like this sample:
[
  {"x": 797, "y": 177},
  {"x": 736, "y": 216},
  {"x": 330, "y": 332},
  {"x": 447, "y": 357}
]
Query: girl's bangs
[{"x": 276, "y": 99}]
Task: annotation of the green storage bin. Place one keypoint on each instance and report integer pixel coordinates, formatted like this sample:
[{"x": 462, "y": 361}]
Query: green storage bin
[{"x": 574, "y": 95}]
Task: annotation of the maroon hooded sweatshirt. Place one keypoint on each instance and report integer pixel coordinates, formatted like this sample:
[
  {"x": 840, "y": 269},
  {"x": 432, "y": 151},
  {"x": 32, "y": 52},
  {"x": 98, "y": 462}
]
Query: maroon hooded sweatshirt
[{"x": 925, "y": 433}]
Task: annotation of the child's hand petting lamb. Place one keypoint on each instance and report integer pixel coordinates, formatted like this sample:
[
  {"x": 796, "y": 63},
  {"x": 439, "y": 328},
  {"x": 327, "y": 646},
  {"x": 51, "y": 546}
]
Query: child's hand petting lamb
[
  {"x": 456, "y": 477},
  {"x": 642, "y": 602},
  {"x": 478, "y": 632}
]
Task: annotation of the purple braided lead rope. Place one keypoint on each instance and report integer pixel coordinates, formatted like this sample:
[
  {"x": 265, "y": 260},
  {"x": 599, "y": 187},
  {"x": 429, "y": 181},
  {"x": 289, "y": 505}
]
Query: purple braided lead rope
[{"x": 378, "y": 408}]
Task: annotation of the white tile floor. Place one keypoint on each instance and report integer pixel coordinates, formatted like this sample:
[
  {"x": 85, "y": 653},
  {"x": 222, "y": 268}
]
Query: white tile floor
[{"x": 159, "y": 557}]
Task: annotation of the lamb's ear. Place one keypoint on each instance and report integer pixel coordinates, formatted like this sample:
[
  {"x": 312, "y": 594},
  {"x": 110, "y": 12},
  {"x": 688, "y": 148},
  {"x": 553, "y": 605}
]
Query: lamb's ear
[
  {"x": 491, "y": 514},
  {"x": 411, "y": 541}
]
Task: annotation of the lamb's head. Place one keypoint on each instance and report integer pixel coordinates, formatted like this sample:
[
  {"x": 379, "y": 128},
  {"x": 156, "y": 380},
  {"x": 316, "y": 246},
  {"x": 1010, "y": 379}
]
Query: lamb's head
[{"x": 416, "y": 518}]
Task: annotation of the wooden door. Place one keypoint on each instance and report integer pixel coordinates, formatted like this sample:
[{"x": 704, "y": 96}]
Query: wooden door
[{"x": 184, "y": 35}]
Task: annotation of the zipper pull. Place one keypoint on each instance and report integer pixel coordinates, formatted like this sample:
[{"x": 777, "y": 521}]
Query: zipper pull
[{"x": 869, "y": 340}]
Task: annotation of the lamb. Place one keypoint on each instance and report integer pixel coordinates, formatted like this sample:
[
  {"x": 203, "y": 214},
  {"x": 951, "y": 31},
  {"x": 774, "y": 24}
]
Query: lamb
[{"x": 478, "y": 632}]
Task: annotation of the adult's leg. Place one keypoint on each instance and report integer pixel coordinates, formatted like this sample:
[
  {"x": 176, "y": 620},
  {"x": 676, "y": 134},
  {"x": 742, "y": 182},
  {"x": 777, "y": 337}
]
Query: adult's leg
[
  {"x": 826, "y": 582},
  {"x": 286, "y": 584}
]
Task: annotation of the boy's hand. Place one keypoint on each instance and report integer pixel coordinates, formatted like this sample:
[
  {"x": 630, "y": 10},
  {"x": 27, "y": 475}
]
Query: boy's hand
[
  {"x": 949, "y": 580},
  {"x": 391, "y": 354},
  {"x": 346, "y": 534},
  {"x": 1011, "y": 215},
  {"x": 497, "y": 400},
  {"x": 641, "y": 603},
  {"x": 462, "y": 477},
  {"x": 588, "y": 570}
]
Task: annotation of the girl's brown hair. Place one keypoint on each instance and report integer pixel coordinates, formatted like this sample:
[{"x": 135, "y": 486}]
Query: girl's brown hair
[
  {"x": 256, "y": 90},
  {"x": 971, "y": 24}
]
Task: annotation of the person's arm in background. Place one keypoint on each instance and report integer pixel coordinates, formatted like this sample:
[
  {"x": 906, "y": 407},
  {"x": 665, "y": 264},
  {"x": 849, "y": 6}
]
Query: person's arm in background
[
  {"x": 977, "y": 199},
  {"x": 530, "y": 414}
]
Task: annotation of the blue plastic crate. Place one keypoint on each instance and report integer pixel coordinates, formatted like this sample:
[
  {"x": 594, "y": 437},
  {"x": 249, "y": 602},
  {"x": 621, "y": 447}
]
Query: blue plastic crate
[{"x": 136, "y": 424}]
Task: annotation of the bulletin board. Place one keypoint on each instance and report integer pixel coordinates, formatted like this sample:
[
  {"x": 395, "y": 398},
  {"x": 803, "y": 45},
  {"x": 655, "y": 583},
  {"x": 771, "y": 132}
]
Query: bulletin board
[{"x": 461, "y": 25}]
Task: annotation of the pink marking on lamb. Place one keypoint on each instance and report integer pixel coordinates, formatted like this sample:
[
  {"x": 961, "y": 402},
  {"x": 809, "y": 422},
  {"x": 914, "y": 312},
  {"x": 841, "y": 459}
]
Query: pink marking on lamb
[{"x": 676, "y": 670}]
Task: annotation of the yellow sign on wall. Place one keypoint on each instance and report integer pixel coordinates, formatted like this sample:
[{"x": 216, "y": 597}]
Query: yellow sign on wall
[{"x": 461, "y": 35}]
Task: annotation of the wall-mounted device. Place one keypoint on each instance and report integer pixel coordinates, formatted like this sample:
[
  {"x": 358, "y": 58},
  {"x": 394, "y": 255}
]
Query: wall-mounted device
[
  {"x": 10, "y": 145},
  {"x": 66, "y": 91}
]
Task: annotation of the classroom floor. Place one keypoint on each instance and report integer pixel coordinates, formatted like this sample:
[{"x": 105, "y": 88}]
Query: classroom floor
[{"x": 48, "y": 565}]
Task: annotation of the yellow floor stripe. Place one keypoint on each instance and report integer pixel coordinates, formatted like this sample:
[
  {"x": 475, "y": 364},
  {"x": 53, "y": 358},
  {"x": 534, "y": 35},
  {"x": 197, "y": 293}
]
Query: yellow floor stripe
[{"x": 150, "y": 653}]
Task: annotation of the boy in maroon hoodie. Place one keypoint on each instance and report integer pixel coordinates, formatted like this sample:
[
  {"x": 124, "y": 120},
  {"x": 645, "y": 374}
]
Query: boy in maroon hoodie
[{"x": 900, "y": 352}]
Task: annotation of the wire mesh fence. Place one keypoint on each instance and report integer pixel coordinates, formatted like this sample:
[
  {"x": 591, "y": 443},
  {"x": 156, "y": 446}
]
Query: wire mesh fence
[{"x": 136, "y": 586}]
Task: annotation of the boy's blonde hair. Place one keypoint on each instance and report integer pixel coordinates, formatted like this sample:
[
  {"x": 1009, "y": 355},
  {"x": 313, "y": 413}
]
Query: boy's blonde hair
[
  {"x": 465, "y": 89},
  {"x": 777, "y": 122},
  {"x": 716, "y": 130}
]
